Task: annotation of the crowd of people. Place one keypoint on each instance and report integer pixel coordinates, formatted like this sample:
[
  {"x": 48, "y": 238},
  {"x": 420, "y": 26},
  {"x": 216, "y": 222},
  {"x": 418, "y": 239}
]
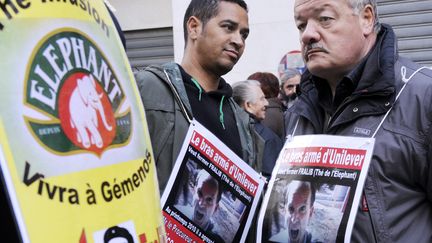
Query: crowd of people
[{"x": 352, "y": 82}]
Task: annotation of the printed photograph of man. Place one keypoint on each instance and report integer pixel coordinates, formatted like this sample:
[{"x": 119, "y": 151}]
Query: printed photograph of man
[
  {"x": 206, "y": 197},
  {"x": 299, "y": 199},
  {"x": 306, "y": 207},
  {"x": 206, "y": 201}
]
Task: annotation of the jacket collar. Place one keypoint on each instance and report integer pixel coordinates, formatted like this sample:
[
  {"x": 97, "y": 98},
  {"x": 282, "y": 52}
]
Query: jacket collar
[
  {"x": 170, "y": 74},
  {"x": 223, "y": 89},
  {"x": 378, "y": 72}
]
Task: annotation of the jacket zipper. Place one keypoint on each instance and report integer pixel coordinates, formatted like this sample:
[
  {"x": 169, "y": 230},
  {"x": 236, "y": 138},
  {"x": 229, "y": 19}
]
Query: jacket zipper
[{"x": 188, "y": 116}]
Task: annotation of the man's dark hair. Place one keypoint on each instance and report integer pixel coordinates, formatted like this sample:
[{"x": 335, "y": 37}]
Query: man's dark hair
[{"x": 204, "y": 10}]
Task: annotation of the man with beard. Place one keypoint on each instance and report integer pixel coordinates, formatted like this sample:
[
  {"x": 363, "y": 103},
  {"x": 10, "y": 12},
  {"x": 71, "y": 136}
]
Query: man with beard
[
  {"x": 174, "y": 94},
  {"x": 290, "y": 79}
]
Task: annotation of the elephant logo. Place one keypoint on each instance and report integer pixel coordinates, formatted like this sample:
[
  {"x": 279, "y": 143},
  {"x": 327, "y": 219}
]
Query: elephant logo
[
  {"x": 87, "y": 117},
  {"x": 77, "y": 102},
  {"x": 84, "y": 105}
]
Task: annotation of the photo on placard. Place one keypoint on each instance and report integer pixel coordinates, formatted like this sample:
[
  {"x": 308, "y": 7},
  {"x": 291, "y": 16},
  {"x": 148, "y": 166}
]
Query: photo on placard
[
  {"x": 205, "y": 200},
  {"x": 298, "y": 208}
]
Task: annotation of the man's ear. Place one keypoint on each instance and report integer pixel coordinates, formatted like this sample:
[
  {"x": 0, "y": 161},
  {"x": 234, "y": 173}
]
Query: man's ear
[
  {"x": 367, "y": 18},
  {"x": 193, "y": 27},
  {"x": 248, "y": 106}
]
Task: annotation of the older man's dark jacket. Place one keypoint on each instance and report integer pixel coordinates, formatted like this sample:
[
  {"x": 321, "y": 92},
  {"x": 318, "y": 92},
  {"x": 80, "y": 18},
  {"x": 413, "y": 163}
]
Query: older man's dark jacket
[{"x": 398, "y": 188}]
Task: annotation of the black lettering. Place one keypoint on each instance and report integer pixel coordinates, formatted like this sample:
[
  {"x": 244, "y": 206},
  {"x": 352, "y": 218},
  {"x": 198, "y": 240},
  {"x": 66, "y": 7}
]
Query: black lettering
[
  {"x": 9, "y": 4},
  {"x": 91, "y": 197},
  {"x": 61, "y": 191},
  {"x": 96, "y": 15},
  {"x": 105, "y": 27},
  {"x": 106, "y": 193},
  {"x": 73, "y": 196},
  {"x": 40, "y": 188},
  {"x": 51, "y": 193},
  {"x": 82, "y": 5},
  {"x": 135, "y": 180},
  {"x": 117, "y": 191},
  {"x": 23, "y": 4},
  {"x": 88, "y": 8},
  {"x": 28, "y": 181},
  {"x": 127, "y": 186},
  {"x": 141, "y": 173}
]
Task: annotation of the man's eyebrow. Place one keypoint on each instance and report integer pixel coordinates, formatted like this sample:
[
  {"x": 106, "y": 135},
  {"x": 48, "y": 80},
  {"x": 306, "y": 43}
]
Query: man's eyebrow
[
  {"x": 316, "y": 10},
  {"x": 235, "y": 24},
  {"x": 229, "y": 21}
]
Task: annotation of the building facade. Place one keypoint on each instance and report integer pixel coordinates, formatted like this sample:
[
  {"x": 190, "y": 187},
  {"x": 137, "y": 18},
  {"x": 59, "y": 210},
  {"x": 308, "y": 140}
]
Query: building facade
[{"x": 154, "y": 32}]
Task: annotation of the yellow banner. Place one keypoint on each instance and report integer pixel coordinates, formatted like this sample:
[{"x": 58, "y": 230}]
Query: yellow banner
[{"x": 75, "y": 150}]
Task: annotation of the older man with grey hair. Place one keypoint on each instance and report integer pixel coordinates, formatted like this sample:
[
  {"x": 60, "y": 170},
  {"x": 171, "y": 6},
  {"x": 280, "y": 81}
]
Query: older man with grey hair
[
  {"x": 289, "y": 81},
  {"x": 356, "y": 84},
  {"x": 250, "y": 97}
]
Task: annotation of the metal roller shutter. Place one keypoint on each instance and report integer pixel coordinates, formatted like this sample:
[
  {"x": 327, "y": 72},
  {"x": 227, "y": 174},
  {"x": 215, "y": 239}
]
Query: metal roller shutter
[
  {"x": 149, "y": 46},
  {"x": 412, "y": 22}
]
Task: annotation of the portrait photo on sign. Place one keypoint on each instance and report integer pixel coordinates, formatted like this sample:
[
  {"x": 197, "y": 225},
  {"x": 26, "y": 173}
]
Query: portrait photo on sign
[
  {"x": 205, "y": 200},
  {"x": 304, "y": 211}
]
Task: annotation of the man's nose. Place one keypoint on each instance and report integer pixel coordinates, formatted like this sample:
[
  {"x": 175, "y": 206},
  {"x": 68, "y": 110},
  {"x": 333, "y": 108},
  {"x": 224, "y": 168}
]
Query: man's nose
[
  {"x": 294, "y": 217},
  {"x": 201, "y": 202},
  {"x": 310, "y": 33},
  {"x": 237, "y": 39}
]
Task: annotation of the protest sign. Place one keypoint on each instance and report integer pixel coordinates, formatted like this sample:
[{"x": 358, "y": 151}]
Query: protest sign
[
  {"x": 317, "y": 178},
  {"x": 212, "y": 194},
  {"x": 75, "y": 154}
]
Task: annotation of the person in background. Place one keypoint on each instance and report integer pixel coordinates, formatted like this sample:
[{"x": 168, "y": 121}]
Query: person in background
[
  {"x": 274, "y": 118},
  {"x": 290, "y": 79},
  {"x": 249, "y": 95},
  {"x": 215, "y": 33},
  {"x": 356, "y": 84}
]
